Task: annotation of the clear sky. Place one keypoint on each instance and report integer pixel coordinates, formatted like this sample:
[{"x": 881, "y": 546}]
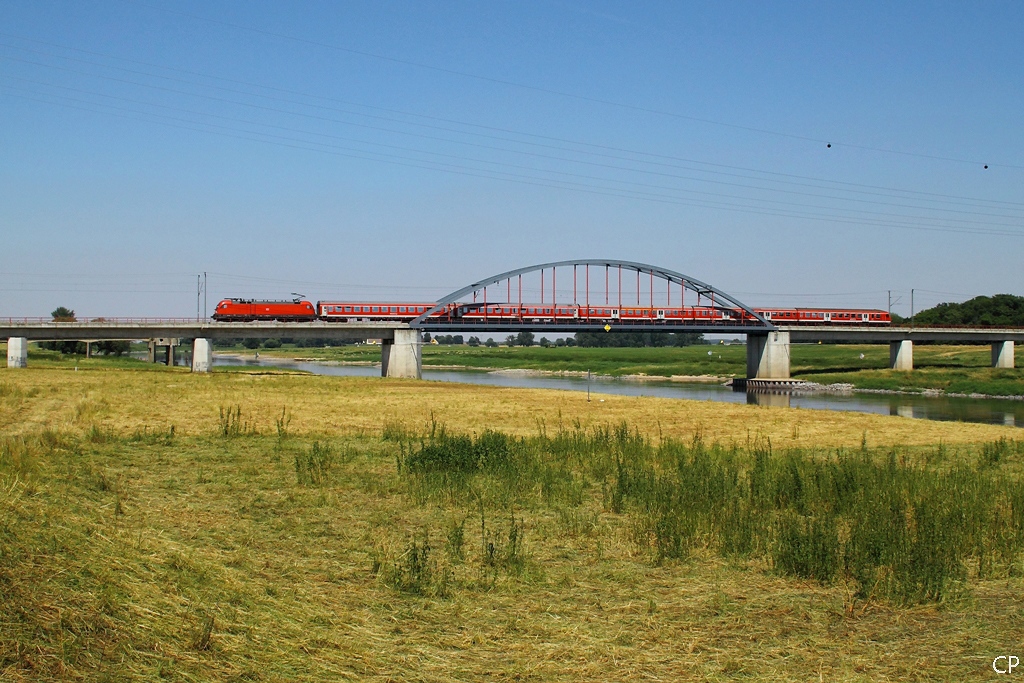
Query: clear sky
[{"x": 400, "y": 150}]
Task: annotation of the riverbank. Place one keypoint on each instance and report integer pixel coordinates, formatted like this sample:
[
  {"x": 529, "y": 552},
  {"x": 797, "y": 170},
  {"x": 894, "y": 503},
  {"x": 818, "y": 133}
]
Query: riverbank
[{"x": 955, "y": 371}]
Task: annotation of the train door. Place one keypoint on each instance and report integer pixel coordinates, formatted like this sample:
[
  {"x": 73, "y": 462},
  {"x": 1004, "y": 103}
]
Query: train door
[
  {"x": 661, "y": 314},
  {"x": 615, "y": 314},
  {"x": 828, "y": 317}
]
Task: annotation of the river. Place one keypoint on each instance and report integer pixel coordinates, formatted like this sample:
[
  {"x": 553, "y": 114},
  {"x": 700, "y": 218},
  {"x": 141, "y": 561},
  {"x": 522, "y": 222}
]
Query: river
[{"x": 987, "y": 410}]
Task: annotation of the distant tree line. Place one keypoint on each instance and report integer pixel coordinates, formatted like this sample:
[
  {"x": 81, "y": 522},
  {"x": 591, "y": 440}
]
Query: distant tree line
[
  {"x": 449, "y": 339},
  {"x": 1001, "y": 310},
  {"x": 638, "y": 339}
]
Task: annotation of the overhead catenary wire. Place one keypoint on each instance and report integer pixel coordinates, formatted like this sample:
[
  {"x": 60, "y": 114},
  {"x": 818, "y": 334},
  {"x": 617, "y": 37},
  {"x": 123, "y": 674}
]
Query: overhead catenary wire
[
  {"x": 773, "y": 176},
  {"x": 600, "y": 165},
  {"x": 520, "y": 178},
  {"x": 527, "y": 180},
  {"x": 584, "y": 98}
]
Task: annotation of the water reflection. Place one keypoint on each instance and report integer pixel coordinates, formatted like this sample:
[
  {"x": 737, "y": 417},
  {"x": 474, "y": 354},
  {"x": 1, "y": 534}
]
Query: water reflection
[
  {"x": 992, "y": 411},
  {"x": 770, "y": 399}
]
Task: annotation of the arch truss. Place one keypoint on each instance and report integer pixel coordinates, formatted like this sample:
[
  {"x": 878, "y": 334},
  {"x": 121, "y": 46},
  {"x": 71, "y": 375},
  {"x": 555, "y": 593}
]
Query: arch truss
[{"x": 591, "y": 294}]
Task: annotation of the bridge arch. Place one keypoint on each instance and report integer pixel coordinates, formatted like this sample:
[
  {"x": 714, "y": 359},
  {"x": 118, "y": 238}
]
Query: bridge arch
[{"x": 715, "y": 297}]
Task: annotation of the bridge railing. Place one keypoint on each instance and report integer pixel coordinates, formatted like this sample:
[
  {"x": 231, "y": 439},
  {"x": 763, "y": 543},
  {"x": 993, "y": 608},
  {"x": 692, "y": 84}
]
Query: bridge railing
[{"x": 98, "y": 320}]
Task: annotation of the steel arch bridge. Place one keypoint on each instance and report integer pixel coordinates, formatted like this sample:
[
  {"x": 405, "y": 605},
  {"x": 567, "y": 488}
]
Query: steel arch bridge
[{"x": 617, "y": 303}]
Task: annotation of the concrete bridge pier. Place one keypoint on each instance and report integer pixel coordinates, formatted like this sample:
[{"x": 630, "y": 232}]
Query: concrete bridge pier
[
  {"x": 1002, "y": 354},
  {"x": 901, "y": 355},
  {"x": 17, "y": 352},
  {"x": 402, "y": 356},
  {"x": 202, "y": 355},
  {"x": 768, "y": 356},
  {"x": 168, "y": 343}
]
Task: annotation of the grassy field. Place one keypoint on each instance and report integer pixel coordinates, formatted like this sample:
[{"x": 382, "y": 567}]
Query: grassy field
[
  {"x": 271, "y": 527},
  {"x": 952, "y": 369},
  {"x": 955, "y": 369}
]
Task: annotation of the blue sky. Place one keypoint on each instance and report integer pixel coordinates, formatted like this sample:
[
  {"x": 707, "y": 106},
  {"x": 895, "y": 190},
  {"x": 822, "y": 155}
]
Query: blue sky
[{"x": 399, "y": 150}]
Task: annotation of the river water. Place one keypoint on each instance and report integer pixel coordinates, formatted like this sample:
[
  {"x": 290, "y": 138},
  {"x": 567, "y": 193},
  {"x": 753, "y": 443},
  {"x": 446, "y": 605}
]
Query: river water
[{"x": 988, "y": 410}]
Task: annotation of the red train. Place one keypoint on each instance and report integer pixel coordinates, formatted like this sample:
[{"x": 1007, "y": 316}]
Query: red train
[
  {"x": 246, "y": 310},
  {"x": 240, "y": 310}
]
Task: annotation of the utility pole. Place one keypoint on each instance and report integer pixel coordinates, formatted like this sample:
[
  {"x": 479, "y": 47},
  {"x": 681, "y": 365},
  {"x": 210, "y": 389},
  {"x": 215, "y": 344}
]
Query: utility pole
[
  {"x": 200, "y": 295},
  {"x": 893, "y": 302},
  {"x": 911, "y": 308}
]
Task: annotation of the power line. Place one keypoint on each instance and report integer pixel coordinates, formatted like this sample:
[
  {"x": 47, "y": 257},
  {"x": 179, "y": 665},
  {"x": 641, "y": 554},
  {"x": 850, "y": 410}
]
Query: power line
[
  {"x": 487, "y": 161},
  {"x": 559, "y": 93},
  {"x": 457, "y": 169},
  {"x": 783, "y": 178},
  {"x": 521, "y": 152}
]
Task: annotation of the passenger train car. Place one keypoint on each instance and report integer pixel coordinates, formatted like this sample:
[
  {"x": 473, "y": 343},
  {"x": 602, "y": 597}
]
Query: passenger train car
[{"x": 243, "y": 310}]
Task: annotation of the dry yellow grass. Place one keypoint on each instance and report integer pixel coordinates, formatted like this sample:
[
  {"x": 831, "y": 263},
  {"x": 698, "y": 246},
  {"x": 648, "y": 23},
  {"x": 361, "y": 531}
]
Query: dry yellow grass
[
  {"x": 125, "y": 400},
  {"x": 122, "y": 548}
]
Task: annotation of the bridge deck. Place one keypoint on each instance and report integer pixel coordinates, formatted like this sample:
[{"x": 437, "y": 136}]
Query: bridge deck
[
  {"x": 148, "y": 329},
  {"x": 953, "y": 335}
]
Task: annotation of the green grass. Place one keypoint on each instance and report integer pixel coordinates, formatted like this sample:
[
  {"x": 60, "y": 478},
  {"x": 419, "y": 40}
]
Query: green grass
[{"x": 42, "y": 358}]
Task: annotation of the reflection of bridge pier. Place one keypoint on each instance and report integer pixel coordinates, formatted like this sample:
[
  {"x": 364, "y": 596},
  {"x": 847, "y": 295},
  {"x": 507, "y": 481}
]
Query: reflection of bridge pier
[{"x": 772, "y": 399}]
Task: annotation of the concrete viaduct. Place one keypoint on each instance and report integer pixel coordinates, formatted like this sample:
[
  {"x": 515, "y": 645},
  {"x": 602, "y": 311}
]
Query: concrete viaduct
[{"x": 768, "y": 344}]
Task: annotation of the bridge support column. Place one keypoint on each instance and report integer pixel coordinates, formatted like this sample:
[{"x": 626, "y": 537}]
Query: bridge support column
[
  {"x": 1002, "y": 355},
  {"x": 901, "y": 355},
  {"x": 403, "y": 356},
  {"x": 768, "y": 356},
  {"x": 17, "y": 352},
  {"x": 166, "y": 342},
  {"x": 202, "y": 355}
]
